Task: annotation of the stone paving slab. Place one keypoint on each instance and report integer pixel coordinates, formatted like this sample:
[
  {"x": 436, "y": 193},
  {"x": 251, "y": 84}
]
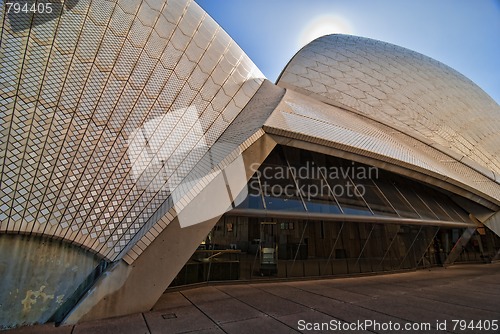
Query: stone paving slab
[
  {"x": 461, "y": 292},
  {"x": 129, "y": 324}
]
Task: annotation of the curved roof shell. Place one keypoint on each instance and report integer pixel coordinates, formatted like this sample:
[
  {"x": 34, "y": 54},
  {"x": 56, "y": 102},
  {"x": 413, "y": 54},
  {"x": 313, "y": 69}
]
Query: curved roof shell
[
  {"x": 108, "y": 108},
  {"x": 394, "y": 105},
  {"x": 402, "y": 89},
  {"x": 101, "y": 106}
]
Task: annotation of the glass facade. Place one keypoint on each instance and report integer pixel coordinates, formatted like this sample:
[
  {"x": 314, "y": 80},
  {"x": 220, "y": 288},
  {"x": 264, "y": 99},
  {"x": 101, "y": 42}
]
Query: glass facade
[
  {"x": 308, "y": 214},
  {"x": 301, "y": 181}
]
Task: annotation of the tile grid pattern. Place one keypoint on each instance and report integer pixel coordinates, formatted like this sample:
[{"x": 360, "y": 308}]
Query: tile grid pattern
[
  {"x": 405, "y": 90},
  {"x": 301, "y": 117},
  {"x": 245, "y": 130},
  {"x": 74, "y": 90}
]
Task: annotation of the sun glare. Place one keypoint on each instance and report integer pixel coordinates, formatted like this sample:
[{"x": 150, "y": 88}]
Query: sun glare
[{"x": 324, "y": 25}]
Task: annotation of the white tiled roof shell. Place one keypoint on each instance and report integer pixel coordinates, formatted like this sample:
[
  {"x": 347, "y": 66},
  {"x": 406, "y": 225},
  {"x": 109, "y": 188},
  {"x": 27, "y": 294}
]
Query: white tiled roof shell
[
  {"x": 403, "y": 89},
  {"x": 306, "y": 120},
  {"x": 76, "y": 90}
]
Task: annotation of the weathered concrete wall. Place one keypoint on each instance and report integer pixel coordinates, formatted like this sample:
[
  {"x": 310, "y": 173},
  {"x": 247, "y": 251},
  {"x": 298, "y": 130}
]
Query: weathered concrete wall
[{"x": 37, "y": 275}]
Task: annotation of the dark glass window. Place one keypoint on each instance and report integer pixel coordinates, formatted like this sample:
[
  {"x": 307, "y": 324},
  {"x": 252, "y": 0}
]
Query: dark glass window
[
  {"x": 338, "y": 176},
  {"x": 408, "y": 192},
  {"x": 318, "y": 197},
  {"x": 397, "y": 200},
  {"x": 292, "y": 179},
  {"x": 253, "y": 200},
  {"x": 433, "y": 199},
  {"x": 278, "y": 185},
  {"x": 375, "y": 198},
  {"x": 309, "y": 175}
]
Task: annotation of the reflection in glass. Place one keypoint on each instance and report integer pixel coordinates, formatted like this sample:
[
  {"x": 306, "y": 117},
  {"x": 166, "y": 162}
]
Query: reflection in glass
[
  {"x": 415, "y": 202},
  {"x": 343, "y": 189},
  {"x": 280, "y": 193},
  {"x": 279, "y": 189},
  {"x": 254, "y": 198},
  {"x": 293, "y": 180},
  {"x": 397, "y": 200},
  {"x": 375, "y": 198},
  {"x": 320, "y": 202}
]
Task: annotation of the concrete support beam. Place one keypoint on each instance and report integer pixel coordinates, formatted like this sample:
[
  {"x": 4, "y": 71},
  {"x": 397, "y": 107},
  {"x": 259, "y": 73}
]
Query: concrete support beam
[
  {"x": 459, "y": 245},
  {"x": 493, "y": 223},
  {"x": 126, "y": 289}
]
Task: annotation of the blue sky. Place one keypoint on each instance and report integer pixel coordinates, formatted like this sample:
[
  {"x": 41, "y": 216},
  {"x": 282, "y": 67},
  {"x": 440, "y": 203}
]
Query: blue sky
[{"x": 462, "y": 34}]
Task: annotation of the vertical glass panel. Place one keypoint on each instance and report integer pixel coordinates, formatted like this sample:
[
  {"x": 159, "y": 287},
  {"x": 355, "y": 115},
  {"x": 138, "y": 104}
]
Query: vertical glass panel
[
  {"x": 352, "y": 246},
  {"x": 391, "y": 258},
  {"x": 433, "y": 202},
  {"x": 398, "y": 246},
  {"x": 281, "y": 193},
  {"x": 338, "y": 257},
  {"x": 375, "y": 248},
  {"x": 374, "y": 197},
  {"x": 253, "y": 200},
  {"x": 423, "y": 242},
  {"x": 343, "y": 189},
  {"x": 368, "y": 251},
  {"x": 408, "y": 191},
  {"x": 396, "y": 199},
  {"x": 458, "y": 214},
  {"x": 317, "y": 197},
  {"x": 277, "y": 184},
  {"x": 409, "y": 236},
  {"x": 298, "y": 250},
  {"x": 432, "y": 198},
  {"x": 310, "y": 179}
]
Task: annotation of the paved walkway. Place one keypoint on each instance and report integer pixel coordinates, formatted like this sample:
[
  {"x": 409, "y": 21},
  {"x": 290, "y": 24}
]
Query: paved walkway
[{"x": 436, "y": 297}]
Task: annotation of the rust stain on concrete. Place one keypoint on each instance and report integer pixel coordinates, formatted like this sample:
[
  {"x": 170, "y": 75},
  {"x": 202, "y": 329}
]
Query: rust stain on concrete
[{"x": 33, "y": 296}]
